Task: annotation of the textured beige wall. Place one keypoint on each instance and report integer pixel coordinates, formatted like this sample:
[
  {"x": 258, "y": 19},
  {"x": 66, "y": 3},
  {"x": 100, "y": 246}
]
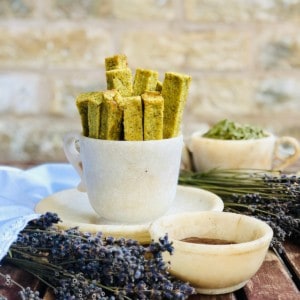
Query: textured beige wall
[{"x": 243, "y": 55}]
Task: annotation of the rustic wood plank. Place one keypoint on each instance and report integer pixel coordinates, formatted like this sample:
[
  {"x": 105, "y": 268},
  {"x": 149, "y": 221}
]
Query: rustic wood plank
[
  {"x": 293, "y": 257},
  {"x": 49, "y": 295},
  {"x": 271, "y": 282}
]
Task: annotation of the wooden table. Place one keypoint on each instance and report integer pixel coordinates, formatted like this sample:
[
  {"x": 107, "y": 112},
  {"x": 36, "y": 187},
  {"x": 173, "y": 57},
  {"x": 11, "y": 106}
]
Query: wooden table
[{"x": 277, "y": 279}]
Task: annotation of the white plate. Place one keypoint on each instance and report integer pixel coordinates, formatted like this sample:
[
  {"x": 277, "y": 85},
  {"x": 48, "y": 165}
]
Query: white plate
[{"x": 74, "y": 209}]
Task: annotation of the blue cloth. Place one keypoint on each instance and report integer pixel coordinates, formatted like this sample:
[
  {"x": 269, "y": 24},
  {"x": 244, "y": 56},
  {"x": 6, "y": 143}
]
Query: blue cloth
[{"x": 21, "y": 190}]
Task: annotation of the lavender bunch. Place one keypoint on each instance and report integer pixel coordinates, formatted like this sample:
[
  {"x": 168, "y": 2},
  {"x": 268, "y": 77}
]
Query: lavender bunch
[
  {"x": 270, "y": 196},
  {"x": 80, "y": 265}
]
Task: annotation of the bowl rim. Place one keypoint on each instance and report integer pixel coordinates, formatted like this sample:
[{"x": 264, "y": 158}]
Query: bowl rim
[
  {"x": 226, "y": 249},
  {"x": 199, "y": 136}
]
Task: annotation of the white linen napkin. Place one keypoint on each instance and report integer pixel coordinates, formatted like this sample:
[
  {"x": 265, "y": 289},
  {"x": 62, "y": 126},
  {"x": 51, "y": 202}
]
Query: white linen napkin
[{"x": 21, "y": 190}]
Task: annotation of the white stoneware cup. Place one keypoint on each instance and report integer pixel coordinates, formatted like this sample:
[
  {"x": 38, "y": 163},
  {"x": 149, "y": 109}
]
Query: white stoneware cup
[
  {"x": 263, "y": 153},
  {"x": 126, "y": 181}
]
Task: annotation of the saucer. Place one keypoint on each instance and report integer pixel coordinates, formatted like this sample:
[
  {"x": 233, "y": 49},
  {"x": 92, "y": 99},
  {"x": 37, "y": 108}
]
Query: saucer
[{"x": 74, "y": 209}]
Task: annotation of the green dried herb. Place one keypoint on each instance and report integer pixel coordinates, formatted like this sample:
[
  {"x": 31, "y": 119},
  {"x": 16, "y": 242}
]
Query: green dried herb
[{"x": 229, "y": 130}]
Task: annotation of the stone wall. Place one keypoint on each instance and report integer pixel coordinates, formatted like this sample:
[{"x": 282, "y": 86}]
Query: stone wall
[{"x": 243, "y": 55}]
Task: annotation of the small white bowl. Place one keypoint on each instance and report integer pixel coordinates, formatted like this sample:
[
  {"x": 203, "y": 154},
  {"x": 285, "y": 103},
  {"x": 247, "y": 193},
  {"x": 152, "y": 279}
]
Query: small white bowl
[
  {"x": 214, "y": 269},
  {"x": 262, "y": 153}
]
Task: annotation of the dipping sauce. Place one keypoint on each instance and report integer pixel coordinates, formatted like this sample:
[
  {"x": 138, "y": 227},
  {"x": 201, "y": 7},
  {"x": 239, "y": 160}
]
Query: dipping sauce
[{"x": 199, "y": 240}]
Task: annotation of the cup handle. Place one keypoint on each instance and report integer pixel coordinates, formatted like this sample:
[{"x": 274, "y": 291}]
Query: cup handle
[
  {"x": 73, "y": 155},
  {"x": 286, "y": 160},
  {"x": 186, "y": 159}
]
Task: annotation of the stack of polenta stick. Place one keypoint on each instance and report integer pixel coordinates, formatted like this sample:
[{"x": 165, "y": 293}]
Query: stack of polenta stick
[{"x": 134, "y": 109}]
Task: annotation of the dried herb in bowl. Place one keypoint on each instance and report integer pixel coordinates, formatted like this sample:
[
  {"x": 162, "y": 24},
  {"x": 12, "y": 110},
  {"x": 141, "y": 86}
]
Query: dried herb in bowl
[{"x": 229, "y": 130}]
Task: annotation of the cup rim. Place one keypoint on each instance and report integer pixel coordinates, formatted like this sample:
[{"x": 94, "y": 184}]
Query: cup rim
[
  {"x": 179, "y": 137},
  {"x": 247, "y": 246}
]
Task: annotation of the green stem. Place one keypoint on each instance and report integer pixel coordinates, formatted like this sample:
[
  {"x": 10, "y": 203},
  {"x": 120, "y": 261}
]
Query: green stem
[
  {"x": 232, "y": 204},
  {"x": 14, "y": 282},
  {"x": 226, "y": 183}
]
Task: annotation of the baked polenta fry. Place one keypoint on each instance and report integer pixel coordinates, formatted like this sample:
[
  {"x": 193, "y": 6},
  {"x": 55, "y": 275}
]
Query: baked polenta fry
[
  {"x": 133, "y": 118},
  {"x": 144, "y": 80},
  {"x": 153, "y": 104},
  {"x": 118, "y": 61},
  {"x": 83, "y": 102},
  {"x": 120, "y": 80},
  {"x": 111, "y": 127},
  {"x": 94, "y": 114},
  {"x": 174, "y": 91}
]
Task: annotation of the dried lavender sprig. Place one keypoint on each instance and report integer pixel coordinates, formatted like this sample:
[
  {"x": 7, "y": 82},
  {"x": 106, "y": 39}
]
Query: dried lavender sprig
[
  {"x": 270, "y": 196},
  {"x": 87, "y": 266},
  {"x": 240, "y": 182},
  {"x": 278, "y": 214},
  {"x": 56, "y": 278},
  {"x": 29, "y": 294},
  {"x": 46, "y": 221},
  {"x": 9, "y": 281}
]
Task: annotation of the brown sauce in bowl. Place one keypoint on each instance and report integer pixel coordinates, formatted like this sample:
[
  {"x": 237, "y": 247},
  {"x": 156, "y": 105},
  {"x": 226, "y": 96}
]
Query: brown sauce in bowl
[{"x": 209, "y": 241}]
